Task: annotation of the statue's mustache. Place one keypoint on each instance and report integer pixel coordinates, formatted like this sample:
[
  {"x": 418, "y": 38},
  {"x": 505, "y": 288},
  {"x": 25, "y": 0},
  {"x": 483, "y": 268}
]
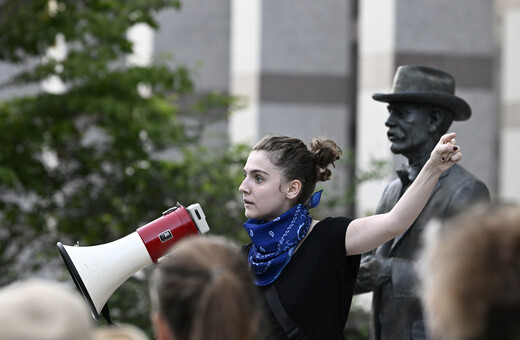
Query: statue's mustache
[{"x": 396, "y": 134}]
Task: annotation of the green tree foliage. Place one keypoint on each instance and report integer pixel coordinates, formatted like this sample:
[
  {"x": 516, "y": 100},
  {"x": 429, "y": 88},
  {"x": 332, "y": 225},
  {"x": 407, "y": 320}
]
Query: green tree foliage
[{"x": 99, "y": 160}]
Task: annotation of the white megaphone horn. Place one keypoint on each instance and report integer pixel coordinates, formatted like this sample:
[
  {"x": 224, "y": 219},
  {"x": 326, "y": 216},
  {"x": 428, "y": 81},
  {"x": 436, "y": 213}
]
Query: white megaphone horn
[{"x": 99, "y": 270}]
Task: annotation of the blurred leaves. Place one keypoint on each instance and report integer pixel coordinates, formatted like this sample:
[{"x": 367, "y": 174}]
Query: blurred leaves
[{"x": 99, "y": 160}]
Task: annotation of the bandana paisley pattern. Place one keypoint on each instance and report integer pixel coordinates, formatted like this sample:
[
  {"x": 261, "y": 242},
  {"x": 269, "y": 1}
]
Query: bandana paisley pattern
[{"x": 274, "y": 242}]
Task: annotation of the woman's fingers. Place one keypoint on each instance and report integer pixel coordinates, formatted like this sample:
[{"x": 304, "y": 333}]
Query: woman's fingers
[
  {"x": 456, "y": 157},
  {"x": 448, "y": 138},
  {"x": 447, "y": 148}
]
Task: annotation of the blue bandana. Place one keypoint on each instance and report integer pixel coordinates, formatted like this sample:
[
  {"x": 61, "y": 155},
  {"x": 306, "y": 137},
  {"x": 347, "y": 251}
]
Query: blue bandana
[{"x": 275, "y": 242}]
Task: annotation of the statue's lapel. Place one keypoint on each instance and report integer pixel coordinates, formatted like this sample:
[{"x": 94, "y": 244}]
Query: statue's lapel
[{"x": 398, "y": 238}]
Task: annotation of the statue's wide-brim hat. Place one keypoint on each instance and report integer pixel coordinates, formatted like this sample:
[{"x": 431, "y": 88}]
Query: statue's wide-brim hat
[{"x": 426, "y": 85}]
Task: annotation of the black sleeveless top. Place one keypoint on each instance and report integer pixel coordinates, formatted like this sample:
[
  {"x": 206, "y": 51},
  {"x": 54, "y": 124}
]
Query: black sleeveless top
[{"x": 316, "y": 286}]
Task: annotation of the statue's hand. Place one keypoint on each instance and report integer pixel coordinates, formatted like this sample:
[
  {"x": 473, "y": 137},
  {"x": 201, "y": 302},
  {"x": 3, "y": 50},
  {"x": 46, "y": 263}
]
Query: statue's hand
[{"x": 374, "y": 271}]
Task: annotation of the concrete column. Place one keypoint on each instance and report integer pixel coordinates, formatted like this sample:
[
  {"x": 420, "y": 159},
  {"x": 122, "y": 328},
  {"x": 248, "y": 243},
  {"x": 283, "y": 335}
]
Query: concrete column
[
  {"x": 245, "y": 69},
  {"x": 198, "y": 37},
  {"x": 509, "y": 181}
]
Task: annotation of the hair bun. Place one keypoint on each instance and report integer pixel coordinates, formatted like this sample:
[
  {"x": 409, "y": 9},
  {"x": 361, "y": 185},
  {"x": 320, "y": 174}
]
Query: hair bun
[{"x": 326, "y": 152}]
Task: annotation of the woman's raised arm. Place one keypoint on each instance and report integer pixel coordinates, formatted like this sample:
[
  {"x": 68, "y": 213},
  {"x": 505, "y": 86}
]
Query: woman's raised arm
[{"x": 367, "y": 233}]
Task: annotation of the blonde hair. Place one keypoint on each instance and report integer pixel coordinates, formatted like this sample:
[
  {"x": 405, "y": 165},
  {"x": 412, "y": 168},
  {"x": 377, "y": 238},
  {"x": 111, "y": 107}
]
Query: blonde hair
[
  {"x": 120, "y": 332},
  {"x": 42, "y": 309},
  {"x": 470, "y": 272},
  {"x": 204, "y": 290}
]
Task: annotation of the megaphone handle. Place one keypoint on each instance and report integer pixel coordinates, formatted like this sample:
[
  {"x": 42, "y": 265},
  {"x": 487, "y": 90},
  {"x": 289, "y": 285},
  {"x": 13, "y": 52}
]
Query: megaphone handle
[{"x": 106, "y": 314}]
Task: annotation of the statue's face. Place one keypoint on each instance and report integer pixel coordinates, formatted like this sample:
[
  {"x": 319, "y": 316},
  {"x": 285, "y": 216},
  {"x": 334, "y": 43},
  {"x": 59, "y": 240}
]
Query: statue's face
[{"x": 408, "y": 129}]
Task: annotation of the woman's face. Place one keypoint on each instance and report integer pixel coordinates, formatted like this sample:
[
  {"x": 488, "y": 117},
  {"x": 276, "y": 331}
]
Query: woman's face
[{"x": 263, "y": 190}]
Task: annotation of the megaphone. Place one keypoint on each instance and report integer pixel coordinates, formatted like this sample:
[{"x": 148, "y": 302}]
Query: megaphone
[{"x": 99, "y": 270}]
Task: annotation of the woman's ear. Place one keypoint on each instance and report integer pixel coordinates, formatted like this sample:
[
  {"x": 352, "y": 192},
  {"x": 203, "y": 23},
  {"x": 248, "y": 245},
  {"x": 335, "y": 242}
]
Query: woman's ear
[{"x": 293, "y": 189}]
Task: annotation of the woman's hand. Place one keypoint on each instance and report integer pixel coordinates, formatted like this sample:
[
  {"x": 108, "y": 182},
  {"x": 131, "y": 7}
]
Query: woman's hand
[{"x": 445, "y": 154}]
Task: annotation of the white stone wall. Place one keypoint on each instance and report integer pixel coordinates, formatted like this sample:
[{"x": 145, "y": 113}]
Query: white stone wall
[
  {"x": 376, "y": 71},
  {"x": 509, "y": 179},
  {"x": 245, "y": 69}
]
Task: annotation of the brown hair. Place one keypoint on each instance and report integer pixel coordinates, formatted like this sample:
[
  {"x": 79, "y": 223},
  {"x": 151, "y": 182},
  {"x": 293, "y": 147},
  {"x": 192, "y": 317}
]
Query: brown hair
[
  {"x": 205, "y": 290},
  {"x": 471, "y": 276},
  {"x": 297, "y": 162}
]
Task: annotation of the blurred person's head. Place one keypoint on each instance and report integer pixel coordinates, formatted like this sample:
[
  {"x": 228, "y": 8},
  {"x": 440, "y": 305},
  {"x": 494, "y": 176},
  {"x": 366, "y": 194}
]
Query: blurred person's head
[
  {"x": 120, "y": 332},
  {"x": 204, "y": 290},
  {"x": 38, "y": 309},
  {"x": 470, "y": 270}
]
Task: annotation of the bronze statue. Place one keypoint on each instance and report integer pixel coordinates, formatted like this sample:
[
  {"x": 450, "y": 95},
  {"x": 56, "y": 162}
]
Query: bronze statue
[{"x": 421, "y": 107}]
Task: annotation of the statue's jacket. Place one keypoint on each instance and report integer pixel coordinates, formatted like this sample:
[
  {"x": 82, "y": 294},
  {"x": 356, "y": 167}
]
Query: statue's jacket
[{"x": 397, "y": 312}]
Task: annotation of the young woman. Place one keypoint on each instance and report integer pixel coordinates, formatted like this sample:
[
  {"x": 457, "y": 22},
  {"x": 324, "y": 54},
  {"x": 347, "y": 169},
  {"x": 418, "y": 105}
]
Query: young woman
[
  {"x": 203, "y": 290},
  {"x": 307, "y": 268}
]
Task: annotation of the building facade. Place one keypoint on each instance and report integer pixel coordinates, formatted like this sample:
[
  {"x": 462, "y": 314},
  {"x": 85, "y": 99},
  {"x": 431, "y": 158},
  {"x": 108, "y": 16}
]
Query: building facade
[{"x": 310, "y": 69}]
